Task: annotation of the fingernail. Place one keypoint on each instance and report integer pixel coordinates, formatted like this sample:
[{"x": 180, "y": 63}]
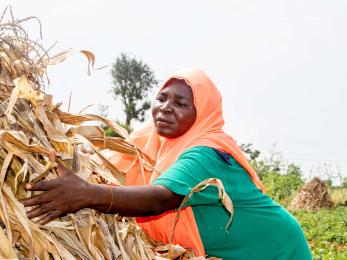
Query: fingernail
[{"x": 28, "y": 186}]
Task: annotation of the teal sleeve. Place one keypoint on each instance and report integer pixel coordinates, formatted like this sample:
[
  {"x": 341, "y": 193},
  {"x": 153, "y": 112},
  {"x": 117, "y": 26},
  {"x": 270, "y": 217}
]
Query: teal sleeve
[{"x": 191, "y": 168}]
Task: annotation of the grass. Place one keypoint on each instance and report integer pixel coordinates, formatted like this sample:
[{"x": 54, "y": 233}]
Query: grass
[{"x": 339, "y": 196}]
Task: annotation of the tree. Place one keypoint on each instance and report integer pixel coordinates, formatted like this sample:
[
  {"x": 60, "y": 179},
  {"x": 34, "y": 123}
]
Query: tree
[
  {"x": 248, "y": 149},
  {"x": 253, "y": 156},
  {"x": 133, "y": 80}
]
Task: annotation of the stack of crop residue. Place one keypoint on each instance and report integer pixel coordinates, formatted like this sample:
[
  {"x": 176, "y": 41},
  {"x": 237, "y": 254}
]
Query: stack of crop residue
[
  {"x": 312, "y": 196},
  {"x": 30, "y": 127}
]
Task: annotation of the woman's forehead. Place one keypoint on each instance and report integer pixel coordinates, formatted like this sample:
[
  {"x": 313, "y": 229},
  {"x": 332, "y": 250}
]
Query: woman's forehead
[
  {"x": 174, "y": 81},
  {"x": 178, "y": 87}
]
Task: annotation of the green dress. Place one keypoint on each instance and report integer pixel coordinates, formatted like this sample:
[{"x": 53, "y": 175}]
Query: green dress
[{"x": 260, "y": 229}]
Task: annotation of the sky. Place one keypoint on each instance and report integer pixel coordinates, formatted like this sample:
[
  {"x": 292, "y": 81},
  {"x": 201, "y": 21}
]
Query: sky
[{"x": 280, "y": 65}]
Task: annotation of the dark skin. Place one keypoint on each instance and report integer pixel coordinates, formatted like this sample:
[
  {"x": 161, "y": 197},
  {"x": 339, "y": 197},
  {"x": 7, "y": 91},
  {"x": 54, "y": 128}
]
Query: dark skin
[
  {"x": 173, "y": 110},
  {"x": 173, "y": 114}
]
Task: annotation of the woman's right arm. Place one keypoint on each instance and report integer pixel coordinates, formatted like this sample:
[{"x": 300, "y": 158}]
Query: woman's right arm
[{"x": 69, "y": 193}]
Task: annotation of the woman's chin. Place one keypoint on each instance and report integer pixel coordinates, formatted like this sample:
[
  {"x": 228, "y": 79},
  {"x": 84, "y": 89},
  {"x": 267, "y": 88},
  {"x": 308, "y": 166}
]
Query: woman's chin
[{"x": 165, "y": 132}]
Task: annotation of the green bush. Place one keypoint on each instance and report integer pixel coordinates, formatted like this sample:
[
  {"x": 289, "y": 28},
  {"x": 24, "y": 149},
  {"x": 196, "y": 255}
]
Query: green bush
[
  {"x": 280, "y": 179},
  {"x": 281, "y": 186}
]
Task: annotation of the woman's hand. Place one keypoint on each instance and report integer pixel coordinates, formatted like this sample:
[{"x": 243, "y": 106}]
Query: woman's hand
[
  {"x": 66, "y": 194},
  {"x": 69, "y": 193}
]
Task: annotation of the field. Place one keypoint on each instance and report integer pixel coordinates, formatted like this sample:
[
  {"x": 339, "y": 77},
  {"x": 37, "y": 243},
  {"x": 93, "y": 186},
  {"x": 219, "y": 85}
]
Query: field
[
  {"x": 326, "y": 232},
  {"x": 325, "y": 229}
]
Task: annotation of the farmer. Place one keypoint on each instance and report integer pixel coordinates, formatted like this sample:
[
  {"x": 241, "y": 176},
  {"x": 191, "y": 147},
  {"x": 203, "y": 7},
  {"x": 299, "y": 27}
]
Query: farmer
[{"x": 189, "y": 146}]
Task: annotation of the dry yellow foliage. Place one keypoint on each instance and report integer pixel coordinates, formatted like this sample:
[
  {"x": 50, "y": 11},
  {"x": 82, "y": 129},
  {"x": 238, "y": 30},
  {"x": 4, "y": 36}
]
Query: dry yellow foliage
[{"x": 31, "y": 126}]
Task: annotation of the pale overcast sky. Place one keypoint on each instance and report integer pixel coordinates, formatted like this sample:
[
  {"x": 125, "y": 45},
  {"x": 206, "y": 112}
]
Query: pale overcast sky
[{"x": 280, "y": 65}]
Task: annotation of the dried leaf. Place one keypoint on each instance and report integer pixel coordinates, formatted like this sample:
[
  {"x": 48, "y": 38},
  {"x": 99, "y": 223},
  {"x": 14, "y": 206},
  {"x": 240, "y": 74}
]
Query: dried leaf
[
  {"x": 222, "y": 195},
  {"x": 31, "y": 127},
  {"x": 6, "y": 246},
  {"x": 63, "y": 55}
]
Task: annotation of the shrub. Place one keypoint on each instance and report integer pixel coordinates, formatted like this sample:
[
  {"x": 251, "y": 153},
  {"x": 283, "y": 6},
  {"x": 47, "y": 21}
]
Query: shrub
[{"x": 281, "y": 186}]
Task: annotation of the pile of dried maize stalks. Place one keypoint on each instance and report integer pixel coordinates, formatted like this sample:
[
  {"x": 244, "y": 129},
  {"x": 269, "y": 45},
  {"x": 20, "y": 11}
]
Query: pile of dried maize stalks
[{"x": 30, "y": 127}]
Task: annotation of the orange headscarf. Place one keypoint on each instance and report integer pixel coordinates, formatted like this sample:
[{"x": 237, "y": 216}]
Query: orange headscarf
[{"x": 206, "y": 131}]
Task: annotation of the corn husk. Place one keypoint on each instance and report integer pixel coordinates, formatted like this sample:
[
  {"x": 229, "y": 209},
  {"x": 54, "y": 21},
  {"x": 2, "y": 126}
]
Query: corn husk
[{"x": 31, "y": 126}]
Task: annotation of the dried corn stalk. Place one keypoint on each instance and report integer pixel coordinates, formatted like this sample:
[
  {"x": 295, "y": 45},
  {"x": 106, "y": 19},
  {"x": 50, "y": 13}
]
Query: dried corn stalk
[{"x": 30, "y": 127}]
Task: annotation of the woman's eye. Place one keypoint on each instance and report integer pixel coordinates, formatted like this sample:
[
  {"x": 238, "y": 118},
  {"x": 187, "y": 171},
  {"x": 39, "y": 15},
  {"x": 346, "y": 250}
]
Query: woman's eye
[
  {"x": 161, "y": 98},
  {"x": 181, "y": 104}
]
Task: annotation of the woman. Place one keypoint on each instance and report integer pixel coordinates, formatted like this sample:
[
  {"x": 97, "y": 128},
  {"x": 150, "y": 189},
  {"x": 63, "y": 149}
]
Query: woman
[{"x": 187, "y": 142}]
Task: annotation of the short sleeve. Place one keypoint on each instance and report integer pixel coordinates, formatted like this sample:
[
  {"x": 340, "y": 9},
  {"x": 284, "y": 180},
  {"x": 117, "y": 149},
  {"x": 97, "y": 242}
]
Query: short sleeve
[{"x": 192, "y": 167}]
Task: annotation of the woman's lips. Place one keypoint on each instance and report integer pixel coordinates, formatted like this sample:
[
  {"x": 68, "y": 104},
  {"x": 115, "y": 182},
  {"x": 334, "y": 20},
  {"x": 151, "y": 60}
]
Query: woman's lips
[{"x": 163, "y": 122}]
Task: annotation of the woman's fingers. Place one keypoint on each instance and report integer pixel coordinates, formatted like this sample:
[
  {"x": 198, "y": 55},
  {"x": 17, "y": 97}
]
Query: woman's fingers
[
  {"x": 42, "y": 185},
  {"x": 40, "y": 210},
  {"x": 63, "y": 195},
  {"x": 36, "y": 200},
  {"x": 49, "y": 217},
  {"x": 47, "y": 211},
  {"x": 59, "y": 198}
]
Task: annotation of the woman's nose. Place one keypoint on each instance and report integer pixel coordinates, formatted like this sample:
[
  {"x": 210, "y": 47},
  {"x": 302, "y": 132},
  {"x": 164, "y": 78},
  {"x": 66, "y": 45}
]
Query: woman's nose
[{"x": 166, "y": 107}]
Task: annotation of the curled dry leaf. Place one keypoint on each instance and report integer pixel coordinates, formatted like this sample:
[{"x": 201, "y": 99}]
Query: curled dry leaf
[{"x": 222, "y": 195}]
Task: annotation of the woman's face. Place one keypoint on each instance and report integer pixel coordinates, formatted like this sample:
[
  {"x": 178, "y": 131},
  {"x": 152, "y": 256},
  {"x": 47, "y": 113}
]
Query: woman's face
[{"x": 173, "y": 110}]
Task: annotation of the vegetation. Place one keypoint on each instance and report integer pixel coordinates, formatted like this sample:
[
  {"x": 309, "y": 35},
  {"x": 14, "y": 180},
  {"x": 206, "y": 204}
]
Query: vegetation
[
  {"x": 339, "y": 195},
  {"x": 325, "y": 230},
  {"x": 280, "y": 179},
  {"x": 133, "y": 80},
  {"x": 282, "y": 186}
]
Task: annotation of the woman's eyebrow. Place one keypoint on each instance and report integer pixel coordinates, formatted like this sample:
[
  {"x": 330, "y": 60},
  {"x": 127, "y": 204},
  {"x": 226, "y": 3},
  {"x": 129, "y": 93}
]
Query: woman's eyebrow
[{"x": 180, "y": 96}]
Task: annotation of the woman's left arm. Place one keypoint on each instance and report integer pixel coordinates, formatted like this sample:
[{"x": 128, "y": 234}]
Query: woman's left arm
[{"x": 69, "y": 193}]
